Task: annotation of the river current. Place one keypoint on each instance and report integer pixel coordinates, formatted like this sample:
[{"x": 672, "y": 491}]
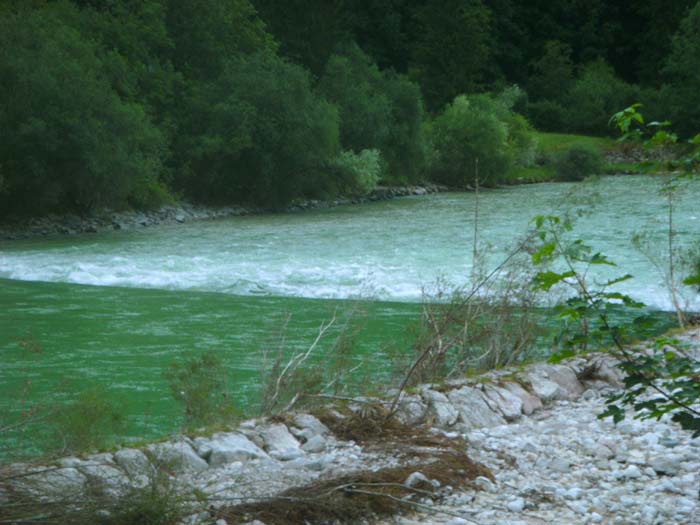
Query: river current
[{"x": 116, "y": 309}]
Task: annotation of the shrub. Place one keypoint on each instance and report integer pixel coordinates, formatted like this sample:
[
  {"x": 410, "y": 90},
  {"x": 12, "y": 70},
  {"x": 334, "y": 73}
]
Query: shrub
[
  {"x": 547, "y": 115},
  {"x": 403, "y": 148},
  {"x": 89, "y": 422},
  {"x": 353, "y": 82},
  {"x": 199, "y": 385},
  {"x": 595, "y": 95},
  {"x": 74, "y": 143},
  {"x": 682, "y": 71},
  {"x": 378, "y": 110},
  {"x": 360, "y": 171},
  {"x": 259, "y": 133},
  {"x": 469, "y": 129},
  {"x": 577, "y": 163}
]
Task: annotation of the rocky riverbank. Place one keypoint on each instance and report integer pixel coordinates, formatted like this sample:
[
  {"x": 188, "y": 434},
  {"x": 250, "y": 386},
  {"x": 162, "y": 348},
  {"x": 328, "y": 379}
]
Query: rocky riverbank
[
  {"x": 543, "y": 458},
  {"x": 109, "y": 220}
]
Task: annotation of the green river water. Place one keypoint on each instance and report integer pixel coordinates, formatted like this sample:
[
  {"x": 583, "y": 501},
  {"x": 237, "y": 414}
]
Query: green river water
[{"x": 116, "y": 309}]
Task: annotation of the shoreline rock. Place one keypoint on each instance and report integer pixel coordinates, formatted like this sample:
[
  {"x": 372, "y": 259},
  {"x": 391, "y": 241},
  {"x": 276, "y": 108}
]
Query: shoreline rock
[
  {"x": 108, "y": 220},
  {"x": 537, "y": 430}
]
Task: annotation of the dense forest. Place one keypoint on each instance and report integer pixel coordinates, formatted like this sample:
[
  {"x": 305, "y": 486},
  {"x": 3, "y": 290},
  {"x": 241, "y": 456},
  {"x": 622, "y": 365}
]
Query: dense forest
[{"x": 131, "y": 103}]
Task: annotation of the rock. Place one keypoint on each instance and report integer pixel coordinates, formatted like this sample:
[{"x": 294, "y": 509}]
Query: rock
[
  {"x": 102, "y": 474},
  {"x": 604, "y": 368},
  {"x": 669, "y": 464},
  {"x": 473, "y": 410},
  {"x": 223, "y": 448},
  {"x": 516, "y": 505},
  {"x": 484, "y": 484},
  {"x": 135, "y": 464},
  {"x": 178, "y": 457},
  {"x": 417, "y": 480},
  {"x": 411, "y": 410},
  {"x": 530, "y": 403},
  {"x": 632, "y": 472},
  {"x": 440, "y": 408},
  {"x": 315, "y": 445},
  {"x": 309, "y": 426},
  {"x": 565, "y": 377},
  {"x": 280, "y": 443},
  {"x": 503, "y": 401},
  {"x": 49, "y": 483}
]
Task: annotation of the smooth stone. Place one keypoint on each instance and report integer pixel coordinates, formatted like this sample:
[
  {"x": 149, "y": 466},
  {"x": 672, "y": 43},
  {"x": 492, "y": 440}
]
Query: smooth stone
[
  {"x": 473, "y": 410},
  {"x": 440, "y": 408}
]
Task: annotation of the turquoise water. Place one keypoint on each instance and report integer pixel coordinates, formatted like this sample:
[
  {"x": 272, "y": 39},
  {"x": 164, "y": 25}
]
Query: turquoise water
[{"x": 116, "y": 309}]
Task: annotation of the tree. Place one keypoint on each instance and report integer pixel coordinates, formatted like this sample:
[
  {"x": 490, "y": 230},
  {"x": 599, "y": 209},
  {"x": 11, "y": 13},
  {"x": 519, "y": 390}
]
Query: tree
[
  {"x": 453, "y": 49},
  {"x": 73, "y": 143},
  {"x": 259, "y": 134},
  {"x": 470, "y": 140},
  {"x": 682, "y": 72}
]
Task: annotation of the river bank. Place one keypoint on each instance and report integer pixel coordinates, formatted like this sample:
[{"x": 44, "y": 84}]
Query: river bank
[
  {"x": 183, "y": 212},
  {"x": 512, "y": 446}
]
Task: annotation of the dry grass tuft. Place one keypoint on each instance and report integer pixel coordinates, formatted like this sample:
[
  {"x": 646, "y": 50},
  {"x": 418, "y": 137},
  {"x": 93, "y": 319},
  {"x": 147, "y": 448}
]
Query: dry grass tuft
[{"x": 357, "y": 496}]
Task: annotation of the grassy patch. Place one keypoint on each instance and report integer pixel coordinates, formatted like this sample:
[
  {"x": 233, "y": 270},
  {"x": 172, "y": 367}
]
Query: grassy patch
[
  {"x": 645, "y": 167},
  {"x": 549, "y": 146},
  {"x": 552, "y": 143}
]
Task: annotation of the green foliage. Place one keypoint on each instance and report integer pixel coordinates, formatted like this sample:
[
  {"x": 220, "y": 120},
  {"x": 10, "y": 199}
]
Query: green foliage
[
  {"x": 478, "y": 127},
  {"x": 404, "y": 146},
  {"x": 553, "y": 73},
  {"x": 362, "y": 171},
  {"x": 664, "y": 381},
  {"x": 594, "y": 96},
  {"x": 76, "y": 145},
  {"x": 86, "y": 423},
  {"x": 578, "y": 163},
  {"x": 199, "y": 385},
  {"x": 452, "y": 49},
  {"x": 354, "y": 83},
  {"x": 259, "y": 133},
  {"x": 207, "y": 33},
  {"x": 378, "y": 110},
  {"x": 548, "y": 115},
  {"x": 467, "y": 130},
  {"x": 682, "y": 70}
]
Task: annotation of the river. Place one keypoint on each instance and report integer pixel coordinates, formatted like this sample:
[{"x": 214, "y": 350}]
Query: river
[{"x": 116, "y": 309}]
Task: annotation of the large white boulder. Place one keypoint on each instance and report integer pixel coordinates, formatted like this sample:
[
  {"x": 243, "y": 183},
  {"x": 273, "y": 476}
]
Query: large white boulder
[
  {"x": 178, "y": 457},
  {"x": 280, "y": 443},
  {"x": 440, "y": 408},
  {"x": 224, "y": 448},
  {"x": 473, "y": 410}
]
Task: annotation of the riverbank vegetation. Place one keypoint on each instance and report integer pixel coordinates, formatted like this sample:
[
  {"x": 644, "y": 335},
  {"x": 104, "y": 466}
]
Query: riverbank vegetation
[{"x": 132, "y": 104}]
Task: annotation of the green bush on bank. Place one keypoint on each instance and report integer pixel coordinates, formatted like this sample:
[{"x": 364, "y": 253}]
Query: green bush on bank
[
  {"x": 360, "y": 171},
  {"x": 479, "y": 135},
  {"x": 578, "y": 163},
  {"x": 259, "y": 133},
  {"x": 71, "y": 142},
  {"x": 378, "y": 110}
]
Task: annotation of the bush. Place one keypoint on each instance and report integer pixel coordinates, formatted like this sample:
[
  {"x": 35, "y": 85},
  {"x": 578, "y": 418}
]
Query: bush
[
  {"x": 596, "y": 94},
  {"x": 378, "y": 110},
  {"x": 547, "y": 115},
  {"x": 259, "y": 133},
  {"x": 470, "y": 129},
  {"x": 199, "y": 385},
  {"x": 682, "y": 71},
  {"x": 577, "y": 163},
  {"x": 360, "y": 171},
  {"x": 73, "y": 143},
  {"x": 87, "y": 423},
  {"x": 403, "y": 148}
]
